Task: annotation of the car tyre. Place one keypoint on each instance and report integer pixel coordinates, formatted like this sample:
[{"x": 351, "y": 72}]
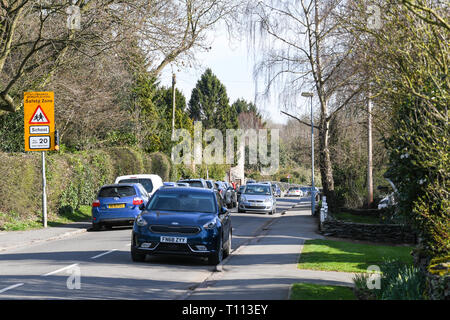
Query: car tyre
[
  {"x": 241, "y": 211},
  {"x": 137, "y": 257},
  {"x": 217, "y": 257},
  {"x": 96, "y": 226}
]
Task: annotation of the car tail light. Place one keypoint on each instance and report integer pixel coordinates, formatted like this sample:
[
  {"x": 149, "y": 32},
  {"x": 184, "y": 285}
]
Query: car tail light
[
  {"x": 96, "y": 203},
  {"x": 137, "y": 201}
]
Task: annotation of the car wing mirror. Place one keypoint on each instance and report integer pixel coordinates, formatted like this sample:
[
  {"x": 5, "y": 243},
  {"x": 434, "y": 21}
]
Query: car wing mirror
[{"x": 142, "y": 206}]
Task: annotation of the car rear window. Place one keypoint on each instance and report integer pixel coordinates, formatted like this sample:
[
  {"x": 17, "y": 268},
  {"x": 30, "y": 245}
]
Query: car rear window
[
  {"x": 146, "y": 183},
  {"x": 195, "y": 184},
  {"x": 111, "y": 192},
  {"x": 183, "y": 202}
]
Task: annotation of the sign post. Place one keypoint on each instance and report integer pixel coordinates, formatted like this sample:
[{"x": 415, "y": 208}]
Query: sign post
[{"x": 39, "y": 134}]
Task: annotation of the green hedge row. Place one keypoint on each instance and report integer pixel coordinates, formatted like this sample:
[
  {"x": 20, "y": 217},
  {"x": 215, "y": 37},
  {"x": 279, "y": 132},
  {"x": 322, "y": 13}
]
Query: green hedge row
[{"x": 73, "y": 179}]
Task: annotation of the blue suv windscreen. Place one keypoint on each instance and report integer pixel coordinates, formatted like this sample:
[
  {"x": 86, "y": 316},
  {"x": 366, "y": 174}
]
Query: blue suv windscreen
[
  {"x": 146, "y": 183},
  {"x": 111, "y": 192},
  {"x": 183, "y": 202}
]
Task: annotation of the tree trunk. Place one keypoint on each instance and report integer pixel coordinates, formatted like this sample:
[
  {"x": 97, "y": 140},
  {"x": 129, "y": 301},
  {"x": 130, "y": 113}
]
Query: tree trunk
[{"x": 326, "y": 170}]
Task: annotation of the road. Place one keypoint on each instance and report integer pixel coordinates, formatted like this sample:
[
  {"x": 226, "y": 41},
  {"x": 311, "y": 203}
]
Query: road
[{"x": 97, "y": 265}]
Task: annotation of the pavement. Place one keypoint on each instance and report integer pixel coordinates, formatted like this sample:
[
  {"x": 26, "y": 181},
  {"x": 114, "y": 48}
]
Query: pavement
[
  {"x": 17, "y": 239},
  {"x": 265, "y": 268}
]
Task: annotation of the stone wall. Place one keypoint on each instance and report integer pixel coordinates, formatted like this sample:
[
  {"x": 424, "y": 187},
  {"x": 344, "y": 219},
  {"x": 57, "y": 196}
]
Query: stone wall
[{"x": 388, "y": 233}]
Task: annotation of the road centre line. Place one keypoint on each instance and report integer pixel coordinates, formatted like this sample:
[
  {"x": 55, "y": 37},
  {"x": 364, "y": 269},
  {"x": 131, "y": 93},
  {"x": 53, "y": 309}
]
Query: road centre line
[
  {"x": 59, "y": 270},
  {"x": 104, "y": 253},
  {"x": 11, "y": 287}
]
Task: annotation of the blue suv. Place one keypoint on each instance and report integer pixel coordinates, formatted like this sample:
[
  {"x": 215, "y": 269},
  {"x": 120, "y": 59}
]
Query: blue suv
[
  {"x": 118, "y": 205},
  {"x": 183, "y": 221}
]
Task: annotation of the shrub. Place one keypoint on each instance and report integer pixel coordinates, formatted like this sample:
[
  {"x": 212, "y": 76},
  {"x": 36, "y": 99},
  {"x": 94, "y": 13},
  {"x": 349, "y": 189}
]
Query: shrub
[
  {"x": 400, "y": 281},
  {"x": 160, "y": 165},
  {"x": 73, "y": 179}
]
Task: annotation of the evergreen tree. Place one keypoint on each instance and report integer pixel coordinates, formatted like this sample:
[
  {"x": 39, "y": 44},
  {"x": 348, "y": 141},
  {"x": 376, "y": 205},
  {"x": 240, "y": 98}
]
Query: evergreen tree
[{"x": 209, "y": 103}]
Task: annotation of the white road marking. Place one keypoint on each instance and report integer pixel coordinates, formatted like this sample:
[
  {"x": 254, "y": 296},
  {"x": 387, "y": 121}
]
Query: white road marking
[
  {"x": 59, "y": 270},
  {"x": 104, "y": 253},
  {"x": 11, "y": 287}
]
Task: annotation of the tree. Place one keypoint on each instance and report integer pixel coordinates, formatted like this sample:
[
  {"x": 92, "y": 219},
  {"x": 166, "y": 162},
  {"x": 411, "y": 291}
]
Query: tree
[
  {"x": 408, "y": 59},
  {"x": 306, "y": 49},
  {"x": 163, "y": 102},
  {"x": 209, "y": 103},
  {"x": 35, "y": 42},
  {"x": 249, "y": 116}
]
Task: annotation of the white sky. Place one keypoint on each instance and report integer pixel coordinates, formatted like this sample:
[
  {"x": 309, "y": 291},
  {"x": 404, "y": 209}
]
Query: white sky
[{"x": 232, "y": 62}]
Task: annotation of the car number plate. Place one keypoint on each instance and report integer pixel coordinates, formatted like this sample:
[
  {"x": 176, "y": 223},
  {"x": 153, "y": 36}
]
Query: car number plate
[
  {"x": 173, "y": 239},
  {"x": 116, "y": 206}
]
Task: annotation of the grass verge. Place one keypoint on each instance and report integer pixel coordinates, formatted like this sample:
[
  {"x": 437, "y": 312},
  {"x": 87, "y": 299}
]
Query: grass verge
[
  {"x": 309, "y": 291},
  {"x": 328, "y": 255},
  {"x": 13, "y": 222}
]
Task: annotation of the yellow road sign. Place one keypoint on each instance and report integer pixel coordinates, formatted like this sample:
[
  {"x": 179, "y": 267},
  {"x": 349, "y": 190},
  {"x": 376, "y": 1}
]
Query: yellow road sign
[{"x": 39, "y": 121}]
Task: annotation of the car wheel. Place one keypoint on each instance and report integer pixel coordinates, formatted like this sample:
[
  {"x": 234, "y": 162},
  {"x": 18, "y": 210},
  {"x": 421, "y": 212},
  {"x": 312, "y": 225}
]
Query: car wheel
[
  {"x": 217, "y": 257},
  {"x": 241, "y": 211},
  {"x": 96, "y": 226},
  {"x": 137, "y": 257},
  {"x": 227, "y": 251}
]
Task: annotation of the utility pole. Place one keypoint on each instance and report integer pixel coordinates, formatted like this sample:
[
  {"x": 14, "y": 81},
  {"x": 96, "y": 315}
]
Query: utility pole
[
  {"x": 44, "y": 192},
  {"x": 174, "y": 81},
  {"x": 369, "y": 154},
  {"x": 313, "y": 189}
]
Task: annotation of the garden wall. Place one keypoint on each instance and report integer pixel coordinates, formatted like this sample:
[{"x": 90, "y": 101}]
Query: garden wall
[{"x": 389, "y": 233}]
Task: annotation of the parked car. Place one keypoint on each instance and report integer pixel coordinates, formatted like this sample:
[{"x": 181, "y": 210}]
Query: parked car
[
  {"x": 185, "y": 221},
  {"x": 169, "y": 184},
  {"x": 307, "y": 191},
  {"x": 151, "y": 182},
  {"x": 182, "y": 184},
  {"x": 221, "y": 188},
  {"x": 276, "y": 190},
  {"x": 251, "y": 181},
  {"x": 387, "y": 202},
  {"x": 196, "y": 183},
  {"x": 210, "y": 184},
  {"x": 294, "y": 192},
  {"x": 257, "y": 197},
  {"x": 239, "y": 192},
  {"x": 118, "y": 205},
  {"x": 231, "y": 199}
]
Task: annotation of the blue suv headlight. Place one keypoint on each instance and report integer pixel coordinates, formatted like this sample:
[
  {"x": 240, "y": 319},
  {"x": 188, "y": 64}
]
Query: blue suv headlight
[
  {"x": 210, "y": 224},
  {"x": 140, "y": 221}
]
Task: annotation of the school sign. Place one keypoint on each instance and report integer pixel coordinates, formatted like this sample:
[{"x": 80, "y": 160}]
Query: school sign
[{"x": 39, "y": 121}]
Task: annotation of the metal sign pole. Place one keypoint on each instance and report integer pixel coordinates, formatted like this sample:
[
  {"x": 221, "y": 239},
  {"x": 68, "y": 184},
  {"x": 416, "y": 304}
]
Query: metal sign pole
[{"x": 44, "y": 192}]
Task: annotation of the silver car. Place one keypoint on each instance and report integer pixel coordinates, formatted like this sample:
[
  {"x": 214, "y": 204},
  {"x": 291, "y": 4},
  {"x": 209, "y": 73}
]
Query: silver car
[{"x": 258, "y": 198}]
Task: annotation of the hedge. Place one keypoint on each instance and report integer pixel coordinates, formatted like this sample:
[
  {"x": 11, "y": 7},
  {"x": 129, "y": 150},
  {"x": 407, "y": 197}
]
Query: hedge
[{"x": 73, "y": 179}]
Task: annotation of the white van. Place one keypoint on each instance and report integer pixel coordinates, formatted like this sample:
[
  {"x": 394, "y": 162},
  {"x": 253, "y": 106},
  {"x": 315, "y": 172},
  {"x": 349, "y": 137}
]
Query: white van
[{"x": 151, "y": 182}]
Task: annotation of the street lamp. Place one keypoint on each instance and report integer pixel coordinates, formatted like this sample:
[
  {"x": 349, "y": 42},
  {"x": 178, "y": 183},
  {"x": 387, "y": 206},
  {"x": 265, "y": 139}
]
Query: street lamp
[{"x": 313, "y": 189}]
